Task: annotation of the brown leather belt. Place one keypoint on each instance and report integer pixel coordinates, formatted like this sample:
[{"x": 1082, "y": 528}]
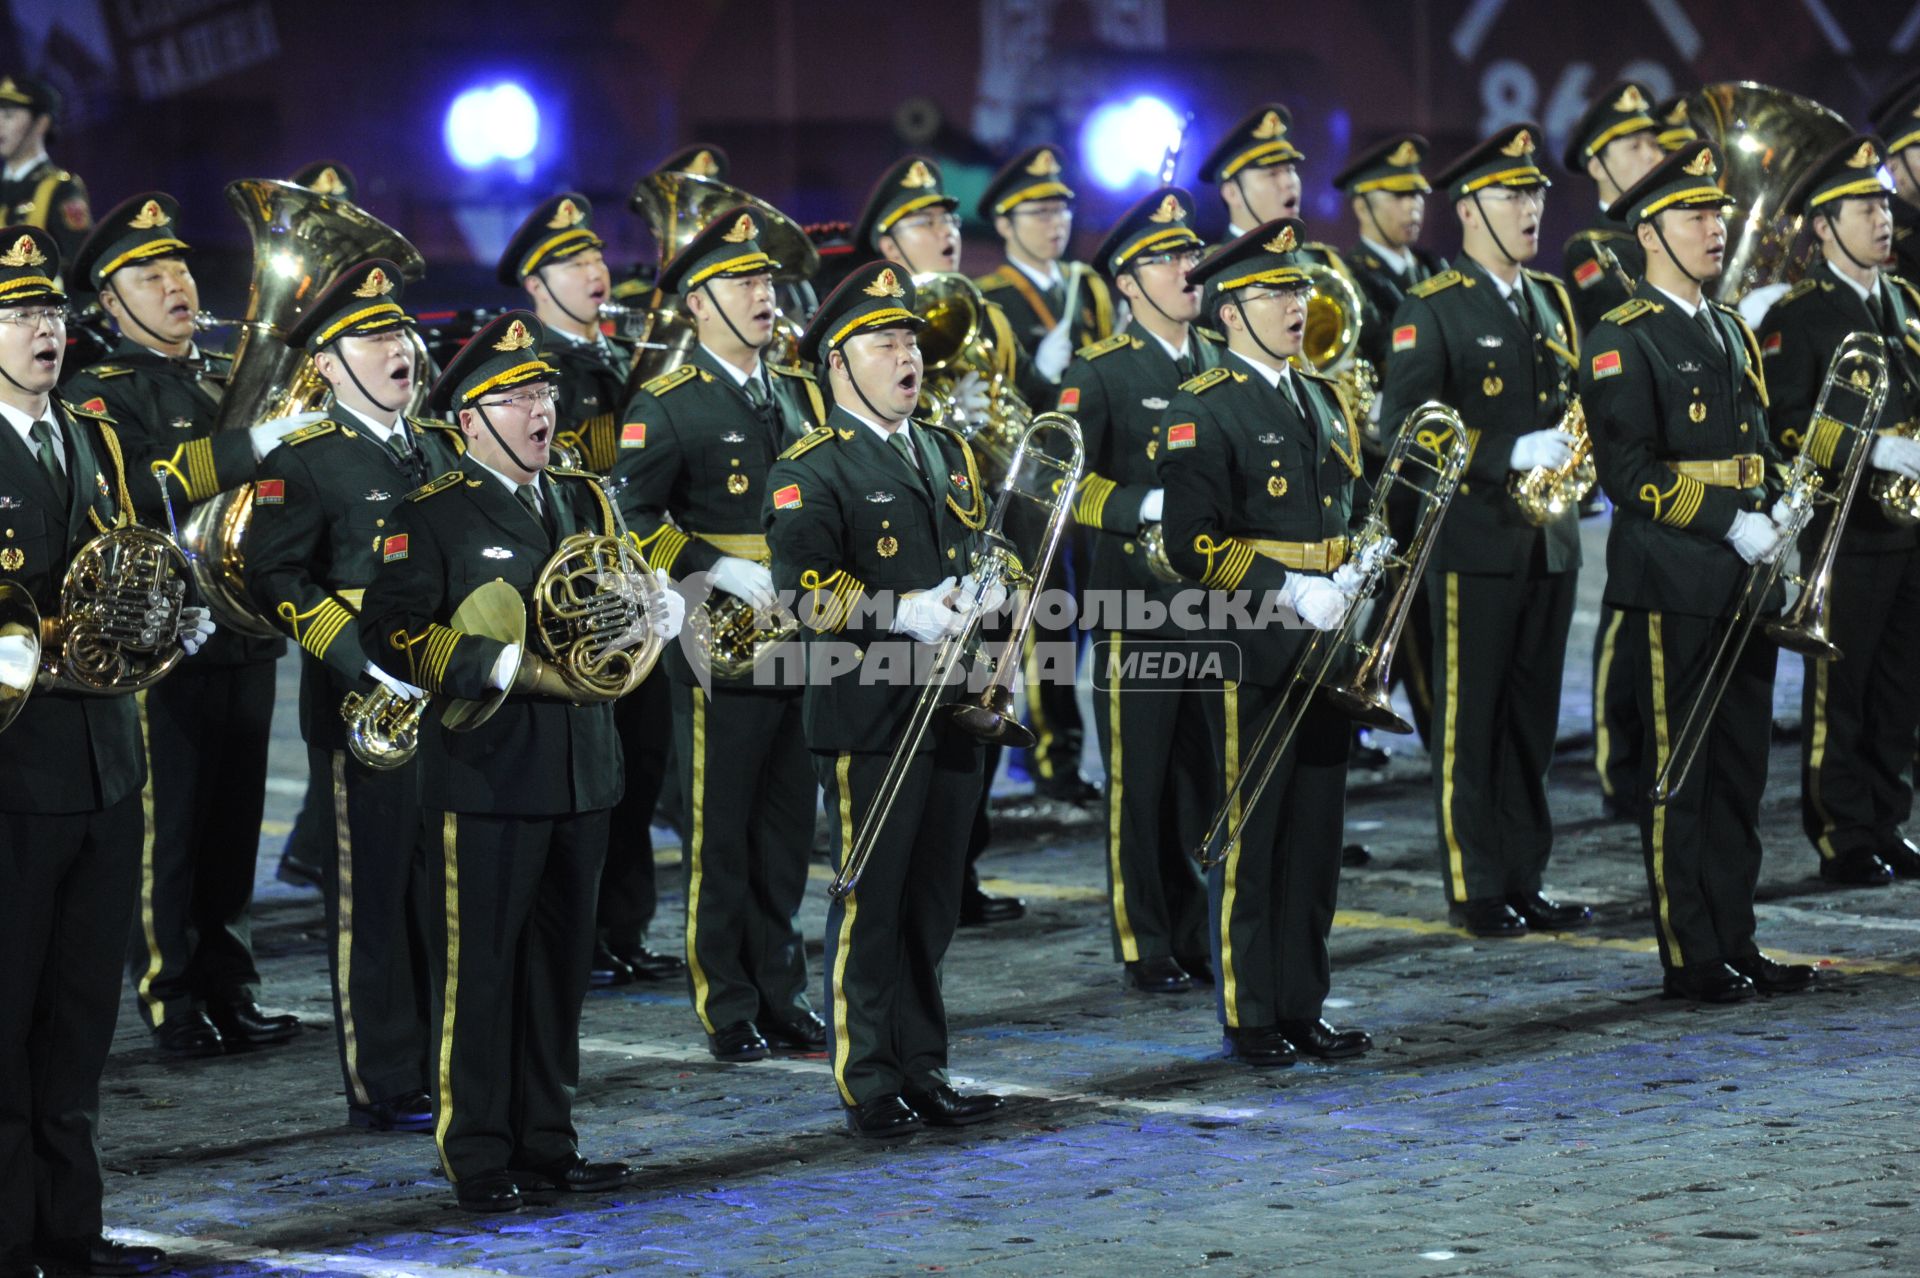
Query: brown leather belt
[
  {"x": 1303, "y": 556},
  {"x": 1748, "y": 470}
]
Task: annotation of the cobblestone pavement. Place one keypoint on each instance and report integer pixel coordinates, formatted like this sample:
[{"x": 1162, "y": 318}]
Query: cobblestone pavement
[{"x": 1531, "y": 1106}]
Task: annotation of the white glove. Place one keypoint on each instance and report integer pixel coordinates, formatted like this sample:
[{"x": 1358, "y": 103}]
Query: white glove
[
  {"x": 1754, "y": 537},
  {"x": 670, "y": 613},
  {"x": 1348, "y": 577},
  {"x": 990, "y": 602},
  {"x": 505, "y": 666},
  {"x": 1151, "y": 506},
  {"x": 18, "y": 663},
  {"x": 1318, "y": 600},
  {"x": 1545, "y": 448},
  {"x": 970, "y": 395},
  {"x": 928, "y": 615},
  {"x": 196, "y": 627},
  {"x": 405, "y": 691},
  {"x": 1898, "y": 454},
  {"x": 1376, "y": 554},
  {"x": 750, "y": 581},
  {"x": 268, "y": 434},
  {"x": 1055, "y": 350}
]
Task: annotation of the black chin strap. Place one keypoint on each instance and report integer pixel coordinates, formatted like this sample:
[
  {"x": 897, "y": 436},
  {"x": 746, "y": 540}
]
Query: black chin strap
[
  {"x": 1839, "y": 242},
  {"x": 1272, "y": 354},
  {"x": 378, "y": 403},
  {"x": 1366, "y": 202},
  {"x": 727, "y": 319},
  {"x": 10, "y": 377},
  {"x": 848, "y": 365},
  {"x": 1662, "y": 237},
  {"x": 488, "y": 421},
  {"x": 592, "y": 321},
  {"x": 1146, "y": 296},
  {"x": 127, "y": 307},
  {"x": 1493, "y": 234}
]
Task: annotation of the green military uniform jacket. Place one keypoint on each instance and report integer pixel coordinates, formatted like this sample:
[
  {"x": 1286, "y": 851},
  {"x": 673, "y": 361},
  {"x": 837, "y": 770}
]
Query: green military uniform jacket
[
  {"x": 1382, "y": 289},
  {"x": 537, "y": 756},
  {"x": 1456, "y": 340},
  {"x": 65, "y": 752},
  {"x": 165, "y": 410},
  {"x": 1240, "y": 465},
  {"x": 589, "y": 395},
  {"x": 691, "y": 471},
  {"x": 1032, "y": 311},
  {"x": 322, "y": 506},
  {"x": 1594, "y": 259},
  {"x": 1658, "y": 390},
  {"x": 1119, "y": 390},
  {"x": 849, "y": 523},
  {"x": 49, "y": 197},
  {"x": 1797, "y": 339}
]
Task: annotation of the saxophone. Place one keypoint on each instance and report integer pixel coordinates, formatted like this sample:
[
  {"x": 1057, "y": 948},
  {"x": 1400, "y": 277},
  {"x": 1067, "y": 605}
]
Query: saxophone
[{"x": 1545, "y": 493}]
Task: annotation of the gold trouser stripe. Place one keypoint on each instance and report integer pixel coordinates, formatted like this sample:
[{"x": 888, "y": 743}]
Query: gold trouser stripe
[
  {"x": 1817, "y": 754},
  {"x": 343, "y": 933},
  {"x": 1229, "y": 979},
  {"x": 740, "y": 545},
  {"x": 1036, "y": 711},
  {"x": 1746, "y": 470},
  {"x": 1657, "y": 658},
  {"x": 1116, "y": 792},
  {"x": 450, "y": 992},
  {"x": 1456, "y": 858},
  {"x": 1302, "y": 556},
  {"x": 156, "y": 1010},
  {"x": 843, "y": 785},
  {"x": 696, "y": 845},
  {"x": 1602, "y": 734}
]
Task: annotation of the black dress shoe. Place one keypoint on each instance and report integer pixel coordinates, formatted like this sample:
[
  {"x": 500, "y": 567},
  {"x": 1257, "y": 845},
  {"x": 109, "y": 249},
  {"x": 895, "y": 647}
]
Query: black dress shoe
[
  {"x": 189, "y": 1035},
  {"x": 1544, "y": 914},
  {"x": 407, "y": 1112},
  {"x": 489, "y": 1191},
  {"x": 740, "y": 1041},
  {"x": 1487, "y": 916},
  {"x": 1356, "y": 854},
  {"x": 1264, "y": 1046},
  {"x": 1319, "y": 1039},
  {"x": 1158, "y": 976},
  {"x": 1903, "y": 858},
  {"x": 571, "y": 1175},
  {"x": 802, "y": 1031},
  {"x": 942, "y": 1106},
  {"x": 888, "y": 1115},
  {"x": 1856, "y": 869},
  {"x": 1707, "y": 983},
  {"x": 977, "y": 909},
  {"x": 1074, "y": 789},
  {"x": 648, "y": 964},
  {"x": 607, "y": 968},
  {"x": 243, "y": 1024},
  {"x": 1199, "y": 967},
  {"x": 99, "y": 1255},
  {"x": 1771, "y": 977}
]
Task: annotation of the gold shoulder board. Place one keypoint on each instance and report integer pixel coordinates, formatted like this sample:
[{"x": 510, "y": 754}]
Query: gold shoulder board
[
  {"x": 1206, "y": 381},
  {"x": 1105, "y": 346},
  {"x": 1798, "y": 291},
  {"x": 807, "y": 443},
  {"x": 449, "y": 480},
  {"x": 315, "y": 431},
  {"x": 999, "y": 279},
  {"x": 794, "y": 370},
  {"x": 105, "y": 371},
  {"x": 667, "y": 381},
  {"x": 1434, "y": 283},
  {"x": 1630, "y": 310},
  {"x": 1217, "y": 338}
]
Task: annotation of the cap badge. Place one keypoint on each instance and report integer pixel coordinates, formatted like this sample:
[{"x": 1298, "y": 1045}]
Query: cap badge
[
  {"x": 918, "y": 175},
  {"x": 1864, "y": 158},
  {"x": 1169, "y": 210},
  {"x": 1678, "y": 115},
  {"x": 1044, "y": 165},
  {"x": 1270, "y": 126},
  {"x": 150, "y": 216},
  {"x": 1702, "y": 165},
  {"x": 376, "y": 284},
  {"x": 517, "y": 338},
  {"x": 1522, "y": 144},
  {"x": 884, "y": 285},
  {"x": 1406, "y": 155},
  {"x": 1630, "y": 100},
  {"x": 704, "y": 165},
  {"x": 742, "y": 230},
  {"x": 23, "y": 253},
  {"x": 327, "y": 182},
  {"x": 567, "y": 214},
  {"x": 1285, "y": 242}
]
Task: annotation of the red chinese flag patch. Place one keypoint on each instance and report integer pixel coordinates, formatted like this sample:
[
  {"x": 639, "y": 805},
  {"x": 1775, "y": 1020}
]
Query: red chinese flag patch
[
  {"x": 393, "y": 548},
  {"x": 787, "y": 498},
  {"x": 75, "y": 214},
  {"x": 1587, "y": 274},
  {"x": 1607, "y": 364},
  {"x": 633, "y": 435},
  {"x": 1772, "y": 345},
  {"x": 1403, "y": 337},
  {"x": 1069, "y": 399},
  {"x": 95, "y": 405},
  {"x": 1180, "y": 436},
  {"x": 270, "y": 492}
]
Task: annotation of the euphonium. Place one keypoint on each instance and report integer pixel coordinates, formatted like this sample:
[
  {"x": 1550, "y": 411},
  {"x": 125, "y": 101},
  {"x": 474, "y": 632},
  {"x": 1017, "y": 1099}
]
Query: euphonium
[{"x": 1545, "y": 493}]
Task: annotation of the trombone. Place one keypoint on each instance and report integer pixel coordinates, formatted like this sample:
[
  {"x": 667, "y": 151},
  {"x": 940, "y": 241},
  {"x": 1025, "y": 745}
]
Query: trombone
[
  {"x": 989, "y": 716},
  {"x": 1432, "y": 430},
  {"x": 1803, "y": 628}
]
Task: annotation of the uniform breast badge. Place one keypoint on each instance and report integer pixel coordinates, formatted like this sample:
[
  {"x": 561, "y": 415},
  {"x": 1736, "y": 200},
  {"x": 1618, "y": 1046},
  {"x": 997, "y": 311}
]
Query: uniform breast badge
[
  {"x": 1492, "y": 386},
  {"x": 1276, "y": 486},
  {"x": 736, "y": 483},
  {"x": 12, "y": 559},
  {"x": 887, "y": 547}
]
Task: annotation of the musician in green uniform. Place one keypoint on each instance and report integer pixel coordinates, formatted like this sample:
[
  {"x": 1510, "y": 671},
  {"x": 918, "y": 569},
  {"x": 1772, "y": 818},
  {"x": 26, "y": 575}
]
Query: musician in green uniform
[
  {"x": 1161, "y": 786},
  {"x": 206, "y": 728},
  {"x": 1677, "y": 404},
  {"x": 872, "y": 521},
  {"x": 33, "y": 189},
  {"x": 1495, "y": 341},
  {"x": 695, "y": 448},
  {"x": 1256, "y": 169},
  {"x": 321, "y": 505},
  {"x": 1858, "y": 713},
  {"x": 513, "y": 809},
  {"x": 1896, "y": 119}
]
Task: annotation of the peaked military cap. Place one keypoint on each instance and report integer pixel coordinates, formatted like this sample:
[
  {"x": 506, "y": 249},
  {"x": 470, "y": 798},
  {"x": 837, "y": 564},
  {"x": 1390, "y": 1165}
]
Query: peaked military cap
[
  {"x": 1259, "y": 141},
  {"x": 29, "y": 265},
  {"x": 365, "y": 300},
  {"x": 1505, "y": 159},
  {"x": 1391, "y": 164},
  {"x": 1687, "y": 179},
  {"x": 727, "y": 246},
  {"x": 557, "y": 229},
  {"x": 875, "y": 296},
  {"x": 1267, "y": 255},
  {"x": 1160, "y": 223},
  {"x": 1676, "y": 125},
  {"x": 701, "y": 159},
  {"x": 504, "y": 354},
  {"x": 1896, "y": 116},
  {"x": 912, "y": 184},
  {"x": 31, "y": 92},
  {"x": 1620, "y": 110},
  {"x": 144, "y": 227},
  {"x": 327, "y": 177},
  {"x": 1037, "y": 173},
  {"x": 1856, "y": 167}
]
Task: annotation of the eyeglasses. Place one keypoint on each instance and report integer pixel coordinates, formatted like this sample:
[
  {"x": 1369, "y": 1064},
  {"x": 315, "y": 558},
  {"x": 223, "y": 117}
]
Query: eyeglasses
[
  {"x": 1186, "y": 261},
  {"x": 526, "y": 401},
  {"x": 50, "y": 317},
  {"x": 1056, "y": 213},
  {"x": 943, "y": 220},
  {"x": 1534, "y": 195}
]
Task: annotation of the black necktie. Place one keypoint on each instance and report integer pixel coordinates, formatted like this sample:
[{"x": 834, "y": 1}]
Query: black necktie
[
  {"x": 1704, "y": 317},
  {"x": 1877, "y": 309},
  {"x": 1184, "y": 365},
  {"x": 528, "y": 497},
  {"x": 50, "y": 458},
  {"x": 1292, "y": 393}
]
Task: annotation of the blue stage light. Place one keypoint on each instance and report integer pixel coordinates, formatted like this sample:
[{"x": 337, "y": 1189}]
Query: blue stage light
[
  {"x": 1123, "y": 141},
  {"x": 492, "y": 122}
]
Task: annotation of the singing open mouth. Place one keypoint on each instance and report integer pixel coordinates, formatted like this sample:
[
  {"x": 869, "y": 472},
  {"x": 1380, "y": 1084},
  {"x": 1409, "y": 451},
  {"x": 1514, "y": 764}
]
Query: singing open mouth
[{"x": 909, "y": 384}]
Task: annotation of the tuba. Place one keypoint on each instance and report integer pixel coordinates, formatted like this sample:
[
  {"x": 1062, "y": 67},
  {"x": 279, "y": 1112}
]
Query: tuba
[
  {"x": 1545, "y": 493},
  {"x": 1332, "y": 335},
  {"x": 959, "y": 340}
]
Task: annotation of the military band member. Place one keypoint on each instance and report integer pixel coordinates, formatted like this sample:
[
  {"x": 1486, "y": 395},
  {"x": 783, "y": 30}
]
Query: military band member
[
  {"x": 1677, "y": 404},
  {"x": 206, "y": 728},
  {"x": 1859, "y": 715},
  {"x": 321, "y": 506},
  {"x": 71, "y": 768},
  {"x": 1256, "y": 168},
  {"x": 1260, "y": 463},
  {"x": 33, "y": 189},
  {"x": 514, "y": 811},
  {"x": 1896, "y": 119},
  {"x": 696, "y": 445},
  {"x": 873, "y": 520},
  {"x": 1495, "y": 341},
  {"x": 1160, "y": 786}
]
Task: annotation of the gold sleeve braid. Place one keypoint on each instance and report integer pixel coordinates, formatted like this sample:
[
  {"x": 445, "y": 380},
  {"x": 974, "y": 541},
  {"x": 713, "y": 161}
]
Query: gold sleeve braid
[
  {"x": 830, "y": 599},
  {"x": 427, "y": 654},
  {"x": 1677, "y": 506},
  {"x": 662, "y": 547},
  {"x": 1091, "y": 499},
  {"x": 1227, "y": 561},
  {"x": 317, "y": 627}
]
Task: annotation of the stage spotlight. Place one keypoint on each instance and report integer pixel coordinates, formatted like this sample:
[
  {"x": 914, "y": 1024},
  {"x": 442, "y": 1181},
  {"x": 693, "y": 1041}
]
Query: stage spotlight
[
  {"x": 492, "y": 122},
  {"x": 1123, "y": 141}
]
